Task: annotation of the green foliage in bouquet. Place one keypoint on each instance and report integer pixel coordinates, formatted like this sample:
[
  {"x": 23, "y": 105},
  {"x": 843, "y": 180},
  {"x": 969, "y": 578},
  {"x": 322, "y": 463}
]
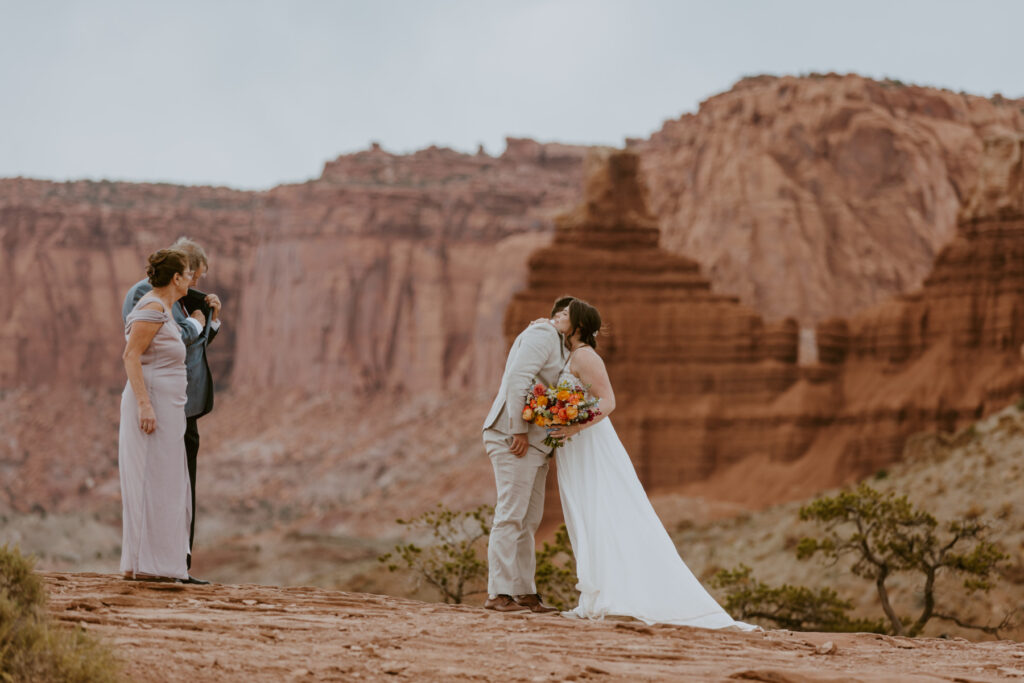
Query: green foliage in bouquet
[
  {"x": 455, "y": 562},
  {"x": 556, "y": 572},
  {"x": 32, "y": 648}
]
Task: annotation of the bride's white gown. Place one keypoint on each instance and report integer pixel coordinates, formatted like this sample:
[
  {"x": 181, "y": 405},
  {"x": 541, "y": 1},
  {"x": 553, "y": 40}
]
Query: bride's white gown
[{"x": 626, "y": 562}]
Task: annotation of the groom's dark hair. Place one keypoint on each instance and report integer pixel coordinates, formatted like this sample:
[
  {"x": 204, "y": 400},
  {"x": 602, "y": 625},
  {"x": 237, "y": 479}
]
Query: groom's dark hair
[{"x": 561, "y": 303}]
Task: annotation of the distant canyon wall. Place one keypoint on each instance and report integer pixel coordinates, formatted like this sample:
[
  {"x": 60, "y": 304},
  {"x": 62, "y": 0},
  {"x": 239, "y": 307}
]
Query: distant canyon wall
[
  {"x": 783, "y": 205},
  {"x": 706, "y": 388},
  {"x": 387, "y": 273},
  {"x": 819, "y": 196},
  {"x": 806, "y": 198}
]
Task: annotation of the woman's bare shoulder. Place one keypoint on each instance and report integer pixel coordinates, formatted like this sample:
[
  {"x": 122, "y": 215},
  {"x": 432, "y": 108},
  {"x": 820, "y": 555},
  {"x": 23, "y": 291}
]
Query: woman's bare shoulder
[{"x": 586, "y": 359}]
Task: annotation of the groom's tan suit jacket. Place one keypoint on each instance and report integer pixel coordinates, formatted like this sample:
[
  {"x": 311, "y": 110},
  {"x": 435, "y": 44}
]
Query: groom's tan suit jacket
[{"x": 537, "y": 353}]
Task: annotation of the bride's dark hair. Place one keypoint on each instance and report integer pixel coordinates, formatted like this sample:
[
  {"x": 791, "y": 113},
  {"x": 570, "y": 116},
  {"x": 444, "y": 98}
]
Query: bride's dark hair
[{"x": 584, "y": 318}]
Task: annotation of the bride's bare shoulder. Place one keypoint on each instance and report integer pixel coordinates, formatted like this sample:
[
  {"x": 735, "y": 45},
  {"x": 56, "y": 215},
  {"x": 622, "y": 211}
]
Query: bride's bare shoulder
[{"x": 585, "y": 358}]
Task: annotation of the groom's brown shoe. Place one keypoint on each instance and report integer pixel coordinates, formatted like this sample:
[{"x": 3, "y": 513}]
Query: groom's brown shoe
[
  {"x": 504, "y": 603},
  {"x": 533, "y": 603}
]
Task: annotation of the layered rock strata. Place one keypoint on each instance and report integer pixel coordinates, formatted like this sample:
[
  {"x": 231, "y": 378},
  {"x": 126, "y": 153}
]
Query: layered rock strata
[
  {"x": 391, "y": 273},
  {"x": 818, "y": 196},
  {"x": 949, "y": 352},
  {"x": 70, "y": 252},
  {"x": 681, "y": 357},
  {"x": 388, "y": 273},
  {"x": 706, "y": 389},
  {"x": 806, "y": 197}
]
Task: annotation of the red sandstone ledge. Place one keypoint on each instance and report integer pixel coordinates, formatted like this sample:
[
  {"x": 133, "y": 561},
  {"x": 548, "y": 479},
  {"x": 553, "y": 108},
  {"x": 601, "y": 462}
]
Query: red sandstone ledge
[{"x": 172, "y": 632}]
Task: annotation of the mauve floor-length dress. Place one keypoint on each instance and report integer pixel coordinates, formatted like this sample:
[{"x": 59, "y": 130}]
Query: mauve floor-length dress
[{"x": 155, "y": 497}]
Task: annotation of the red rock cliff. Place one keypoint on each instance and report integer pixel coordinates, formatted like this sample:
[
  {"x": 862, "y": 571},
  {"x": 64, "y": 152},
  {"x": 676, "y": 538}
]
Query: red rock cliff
[
  {"x": 817, "y": 196},
  {"x": 933, "y": 359},
  {"x": 949, "y": 352},
  {"x": 804, "y": 197},
  {"x": 706, "y": 389},
  {"x": 389, "y": 272},
  {"x": 682, "y": 359}
]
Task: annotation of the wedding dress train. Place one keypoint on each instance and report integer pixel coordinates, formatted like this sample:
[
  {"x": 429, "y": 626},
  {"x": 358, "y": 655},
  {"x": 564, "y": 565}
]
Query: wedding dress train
[{"x": 626, "y": 562}]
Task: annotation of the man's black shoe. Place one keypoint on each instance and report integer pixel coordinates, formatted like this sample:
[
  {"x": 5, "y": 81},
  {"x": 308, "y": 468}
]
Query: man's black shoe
[{"x": 192, "y": 579}]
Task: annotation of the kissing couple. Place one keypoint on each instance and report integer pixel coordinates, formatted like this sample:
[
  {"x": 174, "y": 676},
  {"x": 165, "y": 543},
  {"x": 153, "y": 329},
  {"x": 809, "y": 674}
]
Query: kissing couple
[{"x": 626, "y": 563}]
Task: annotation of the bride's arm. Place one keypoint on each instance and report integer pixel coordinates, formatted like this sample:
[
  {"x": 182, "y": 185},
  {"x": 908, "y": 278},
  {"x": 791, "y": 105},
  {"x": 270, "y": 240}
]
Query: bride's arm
[{"x": 590, "y": 368}]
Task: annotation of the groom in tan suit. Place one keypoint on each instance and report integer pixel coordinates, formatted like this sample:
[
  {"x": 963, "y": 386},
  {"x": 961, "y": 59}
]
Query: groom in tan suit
[{"x": 520, "y": 461}]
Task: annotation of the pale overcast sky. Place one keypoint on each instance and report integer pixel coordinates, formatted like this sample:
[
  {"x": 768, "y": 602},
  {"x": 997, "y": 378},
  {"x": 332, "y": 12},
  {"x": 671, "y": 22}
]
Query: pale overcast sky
[{"x": 252, "y": 93}]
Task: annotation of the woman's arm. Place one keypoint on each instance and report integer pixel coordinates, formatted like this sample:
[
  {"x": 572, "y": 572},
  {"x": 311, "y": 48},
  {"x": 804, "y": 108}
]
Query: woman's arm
[
  {"x": 590, "y": 368},
  {"x": 139, "y": 340}
]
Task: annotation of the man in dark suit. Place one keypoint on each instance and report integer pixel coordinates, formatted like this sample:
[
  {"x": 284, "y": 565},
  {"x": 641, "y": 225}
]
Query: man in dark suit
[{"x": 198, "y": 316}]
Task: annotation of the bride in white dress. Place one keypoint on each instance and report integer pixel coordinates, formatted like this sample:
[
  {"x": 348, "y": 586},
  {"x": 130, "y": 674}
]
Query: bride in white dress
[{"x": 625, "y": 561}]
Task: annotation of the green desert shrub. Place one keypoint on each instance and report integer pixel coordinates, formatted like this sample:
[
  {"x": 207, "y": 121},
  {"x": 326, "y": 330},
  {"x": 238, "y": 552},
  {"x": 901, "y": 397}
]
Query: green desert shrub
[
  {"x": 455, "y": 562},
  {"x": 886, "y": 534},
  {"x": 32, "y": 647},
  {"x": 796, "y": 608},
  {"x": 556, "y": 572},
  {"x": 883, "y": 535}
]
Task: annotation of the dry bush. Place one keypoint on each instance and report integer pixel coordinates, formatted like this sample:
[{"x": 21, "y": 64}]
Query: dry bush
[{"x": 32, "y": 647}]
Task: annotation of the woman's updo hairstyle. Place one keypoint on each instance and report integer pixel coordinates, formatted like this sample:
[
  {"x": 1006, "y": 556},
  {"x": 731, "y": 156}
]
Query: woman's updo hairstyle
[
  {"x": 164, "y": 265},
  {"x": 585, "y": 319}
]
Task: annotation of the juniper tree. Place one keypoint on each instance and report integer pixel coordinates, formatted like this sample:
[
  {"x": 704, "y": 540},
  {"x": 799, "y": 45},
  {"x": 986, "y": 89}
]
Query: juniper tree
[
  {"x": 451, "y": 563},
  {"x": 885, "y": 534}
]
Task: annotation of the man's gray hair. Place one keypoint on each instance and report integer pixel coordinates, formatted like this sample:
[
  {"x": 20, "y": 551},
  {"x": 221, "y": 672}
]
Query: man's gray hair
[{"x": 196, "y": 254}]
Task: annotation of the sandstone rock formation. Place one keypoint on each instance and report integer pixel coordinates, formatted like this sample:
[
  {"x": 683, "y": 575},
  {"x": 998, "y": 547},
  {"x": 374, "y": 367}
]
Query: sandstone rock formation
[
  {"x": 263, "y": 633},
  {"x": 785, "y": 189},
  {"x": 71, "y": 250},
  {"x": 392, "y": 273},
  {"x": 948, "y": 353},
  {"x": 389, "y": 272},
  {"x": 818, "y": 196},
  {"x": 706, "y": 388},
  {"x": 365, "y": 309},
  {"x": 680, "y": 356}
]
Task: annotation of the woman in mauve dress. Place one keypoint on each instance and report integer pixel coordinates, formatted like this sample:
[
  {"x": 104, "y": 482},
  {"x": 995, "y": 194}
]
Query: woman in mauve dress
[{"x": 156, "y": 504}]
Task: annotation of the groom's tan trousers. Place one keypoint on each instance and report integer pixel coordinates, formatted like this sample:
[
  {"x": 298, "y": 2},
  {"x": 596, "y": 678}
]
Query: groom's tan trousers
[{"x": 511, "y": 558}]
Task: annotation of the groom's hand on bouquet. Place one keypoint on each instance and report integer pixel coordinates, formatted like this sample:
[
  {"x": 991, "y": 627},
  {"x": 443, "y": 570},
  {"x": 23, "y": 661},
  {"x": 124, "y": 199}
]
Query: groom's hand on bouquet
[{"x": 519, "y": 445}]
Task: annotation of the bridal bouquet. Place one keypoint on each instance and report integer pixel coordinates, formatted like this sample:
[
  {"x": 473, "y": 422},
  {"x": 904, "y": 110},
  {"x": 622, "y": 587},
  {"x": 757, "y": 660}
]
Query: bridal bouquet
[{"x": 563, "y": 404}]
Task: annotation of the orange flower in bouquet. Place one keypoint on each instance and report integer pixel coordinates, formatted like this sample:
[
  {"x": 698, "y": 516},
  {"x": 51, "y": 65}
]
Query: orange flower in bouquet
[{"x": 563, "y": 404}]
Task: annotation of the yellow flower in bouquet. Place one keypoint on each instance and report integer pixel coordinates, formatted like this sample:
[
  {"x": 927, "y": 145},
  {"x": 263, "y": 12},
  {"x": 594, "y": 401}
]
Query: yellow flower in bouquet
[{"x": 563, "y": 404}]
